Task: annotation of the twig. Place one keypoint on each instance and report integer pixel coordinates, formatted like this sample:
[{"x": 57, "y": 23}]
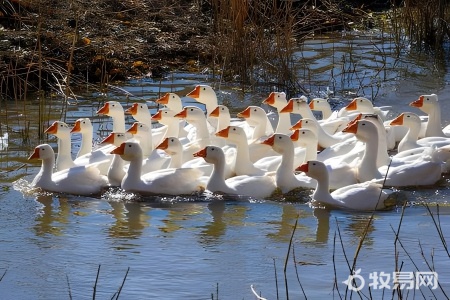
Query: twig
[
  {"x": 96, "y": 280},
  {"x": 287, "y": 258},
  {"x": 68, "y": 285},
  {"x": 276, "y": 278},
  {"x": 123, "y": 282}
]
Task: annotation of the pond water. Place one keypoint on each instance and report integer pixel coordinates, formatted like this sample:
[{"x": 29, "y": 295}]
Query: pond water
[{"x": 72, "y": 247}]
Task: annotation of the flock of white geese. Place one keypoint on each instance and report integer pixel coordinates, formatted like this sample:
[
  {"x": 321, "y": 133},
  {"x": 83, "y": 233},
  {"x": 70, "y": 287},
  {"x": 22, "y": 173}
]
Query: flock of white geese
[{"x": 255, "y": 154}]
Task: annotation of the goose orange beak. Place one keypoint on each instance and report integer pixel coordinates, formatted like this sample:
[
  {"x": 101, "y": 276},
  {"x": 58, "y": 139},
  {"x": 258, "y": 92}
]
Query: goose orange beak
[
  {"x": 352, "y": 105},
  {"x": 311, "y": 105},
  {"x": 109, "y": 139},
  {"x": 270, "y": 141},
  {"x": 295, "y": 135},
  {"x": 76, "y": 127},
  {"x": 157, "y": 116},
  {"x": 297, "y": 125},
  {"x": 302, "y": 168},
  {"x": 133, "y": 129},
  {"x": 289, "y": 107},
  {"x": 418, "y": 102},
  {"x": 215, "y": 112},
  {"x": 104, "y": 110},
  {"x": 270, "y": 100},
  {"x": 224, "y": 132},
  {"x": 164, "y": 144},
  {"x": 35, "y": 154},
  {"x": 53, "y": 129},
  {"x": 194, "y": 93},
  {"x": 244, "y": 114},
  {"x": 132, "y": 110},
  {"x": 201, "y": 153},
  {"x": 397, "y": 121},
  {"x": 182, "y": 114},
  {"x": 352, "y": 127},
  {"x": 163, "y": 100},
  {"x": 119, "y": 150}
]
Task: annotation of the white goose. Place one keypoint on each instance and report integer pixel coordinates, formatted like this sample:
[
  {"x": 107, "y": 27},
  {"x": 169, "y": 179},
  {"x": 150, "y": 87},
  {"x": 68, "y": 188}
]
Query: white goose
[
  {"x": 153, "y": 158},
  {"x": 340, "y": 173},
  {"x": 114, "y": 110},
  {"x": 174, "y": 103},
  {"x": 141, "y": 113},
  {"x": 174, "y": 181},
  {"x": 285, "y": 178},
  {"x": 366, "y": 196},
  {"x": 422, "y": 171},
  {"x": 195, "y": 116},
  {"x": 301, "y": 106},
  {"x": 244, "y": 185},
  {"x": 173, "y": 147},
  {"x": 365, "y": 106},
  {"x": 325, "y": 139},
  {"x": 411, "y": 139},
  {"x": 78, "y": 180},
  {"x": 242, "y": 165},
  {"x": 86, "y": 154},
  {"x": 116, "y": 170},
  {"x": 429, "y": 104},
  {"x": 279, "y": 101}
]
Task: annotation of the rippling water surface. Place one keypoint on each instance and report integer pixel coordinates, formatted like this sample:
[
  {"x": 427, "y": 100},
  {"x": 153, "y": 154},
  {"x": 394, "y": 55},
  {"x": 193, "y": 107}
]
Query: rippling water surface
[{"x": 53, "y": 247}]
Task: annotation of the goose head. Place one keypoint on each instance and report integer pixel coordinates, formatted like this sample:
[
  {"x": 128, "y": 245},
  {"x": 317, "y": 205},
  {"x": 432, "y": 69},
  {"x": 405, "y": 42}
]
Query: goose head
[
  {"x": 307, "y": 123},
  {"x": 139, "y": 128},
  {"x": 276, "y": 99},
  {"x": 165, "y": 116},
  {"x": 171, "y": 145},
  {"x": 304, "y": 136},
  {"x": 426, "y": 103},
  {"x": 253, "y": 115},
  {"x": 42, "y": 152},
  {"x": 363, "y": 129},
  {"x": 360, "y": 104},
  {"x": 82, "y": 125},
  {"x": 313, "y": 168},
  {"x": 211, "y": 154},
  {"x": 171, "y": 101},
  {"x": 233, "y": 133},
  {"x": 319, "y": 104},
  {"x": 116, "y": 138},
  {"x": 279, "y": 142},
  {"x": 296, "y": 105},
  {"x": 139, "y": 111},
  {"x": 191, "y": 114},
  {"x": 204, "y": 94},
  {"x": 222, "y": 113},
  {"x": 128, "y": 151},
  {"x": 111, "y": 108},
  {"x": 408, "y": 119},
  {"x": 59, "y": 129}
]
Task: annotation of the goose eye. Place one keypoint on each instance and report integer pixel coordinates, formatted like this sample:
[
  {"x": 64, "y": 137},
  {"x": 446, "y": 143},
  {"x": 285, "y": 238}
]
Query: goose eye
[
  {"x": 142, "y": 106},
  {"x": 172, "y": 140},
  {"x": 234, "y": 129},
  {"x": 280, "y": 137},
  {"x": 204, "y": 89},
  {"x": 408, "y": 116},
  {"x": 360, "y": 100},
  {"x": 192, "y": 109},
  {"x": 212, "y": 149},
  {"x": 129, "y": 145},
  {"x": 112, "y": 105},
  {"x": 303, "y": 132},
  {"x": 165, "y": 112},
  {"x": 313, "y": 164},
  {"x": 173, "y": 96}
]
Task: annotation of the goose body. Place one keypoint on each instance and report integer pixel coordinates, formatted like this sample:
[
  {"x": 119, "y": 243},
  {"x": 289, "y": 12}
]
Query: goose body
[
  {"x": 116, "y": 170},
  {"x": 173, "y": 181},
  {"x": 244, "y": 185},
  {"x": 285, "y": 178},
  {"x": 432, "y": 126},
  {"x": 365, "y": 196},
  {"x": 77, "y": 180}
]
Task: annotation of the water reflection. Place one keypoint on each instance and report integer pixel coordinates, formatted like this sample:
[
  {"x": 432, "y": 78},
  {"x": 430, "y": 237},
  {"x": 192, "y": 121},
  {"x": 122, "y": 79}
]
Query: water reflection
[
  {"x": 54, "y": 215},
  {"x": 131, "y": 218},
  {"x": 323, "y": 224}
]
